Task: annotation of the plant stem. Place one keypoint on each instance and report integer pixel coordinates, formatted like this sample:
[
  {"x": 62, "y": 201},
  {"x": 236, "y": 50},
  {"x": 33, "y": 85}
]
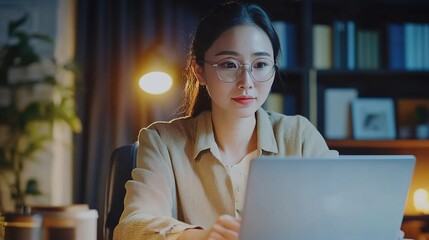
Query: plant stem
[{"x": 17, "y": 169}]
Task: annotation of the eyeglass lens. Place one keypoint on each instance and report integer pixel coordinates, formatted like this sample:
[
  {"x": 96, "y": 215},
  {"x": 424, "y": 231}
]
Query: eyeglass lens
[{"x": 261, "y": 69}]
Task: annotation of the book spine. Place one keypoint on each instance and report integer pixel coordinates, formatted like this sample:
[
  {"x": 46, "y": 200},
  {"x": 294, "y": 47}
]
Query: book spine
[
  {"x": 396, "y": 46},
  {"x": 351, "y": 45},
  {"x": 338, "y": 44},
  {"x": 289, "y": 105},
  {"x": 410, "y": 46},
  {"x": 360, "y": 49},
  {"x": 291, "y": 46},
  {"x": 280, "y": 27},
  {"x": 274, "y": 102},
  {"x": 426, "y": 46},
  {"x": 322, "y": 46}
]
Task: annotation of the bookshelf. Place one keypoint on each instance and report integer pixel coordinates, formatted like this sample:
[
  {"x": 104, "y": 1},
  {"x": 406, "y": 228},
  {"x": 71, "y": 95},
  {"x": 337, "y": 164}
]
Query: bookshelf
[
  {"x": 402, "y": 76},
  {"x": 371, "y": 67}
]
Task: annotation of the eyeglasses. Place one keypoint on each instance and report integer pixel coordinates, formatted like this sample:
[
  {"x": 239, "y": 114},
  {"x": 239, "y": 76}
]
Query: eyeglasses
[{"x": 229, "y": 69}]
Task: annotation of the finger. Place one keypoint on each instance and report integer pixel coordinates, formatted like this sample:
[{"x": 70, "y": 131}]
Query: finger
[
  {"x": 215, "y": 236},
  {"x": 230, "y": 222},
  {"x": 225, "y": 232}
]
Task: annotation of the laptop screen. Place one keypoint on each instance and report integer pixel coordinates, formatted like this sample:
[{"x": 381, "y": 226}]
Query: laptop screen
[{"x": 349, "y": 197}]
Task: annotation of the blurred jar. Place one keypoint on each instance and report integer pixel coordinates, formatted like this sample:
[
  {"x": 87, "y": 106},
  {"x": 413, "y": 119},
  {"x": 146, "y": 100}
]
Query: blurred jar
[
  {"x": 73, "y": 222},
  {"x": 2, "y": 225},
  {"x": 22, "y": 226}
]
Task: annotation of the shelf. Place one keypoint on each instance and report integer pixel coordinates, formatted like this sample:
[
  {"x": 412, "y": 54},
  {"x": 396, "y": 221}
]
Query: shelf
[
  {"x": 376, "y": 83},
  {"x": 380, "y": 72},
  {"x": 397, "y": 144},
  {"x": 422, "y": 217}
]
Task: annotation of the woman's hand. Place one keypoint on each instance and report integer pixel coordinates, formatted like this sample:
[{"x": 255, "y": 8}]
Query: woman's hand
[{"x": 226, "y": 227}]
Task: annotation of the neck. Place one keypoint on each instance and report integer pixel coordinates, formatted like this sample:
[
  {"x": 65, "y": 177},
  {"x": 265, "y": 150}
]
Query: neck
[{"x": 235, "y": 137}]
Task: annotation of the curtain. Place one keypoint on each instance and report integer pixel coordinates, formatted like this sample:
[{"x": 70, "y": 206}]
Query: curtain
[{"x": 114, "y": 39}]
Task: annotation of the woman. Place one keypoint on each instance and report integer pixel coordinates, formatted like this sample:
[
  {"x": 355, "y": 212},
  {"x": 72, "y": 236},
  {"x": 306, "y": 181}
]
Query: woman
[{"x": 191, "y": 172}]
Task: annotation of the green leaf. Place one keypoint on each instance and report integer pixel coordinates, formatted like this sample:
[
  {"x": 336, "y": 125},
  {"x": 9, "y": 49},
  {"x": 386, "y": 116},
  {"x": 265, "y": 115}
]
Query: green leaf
[
  {"x": 36, "y": 111},
  {"x": 36, "y": 144},
  {"x": 42, "y": 37},
  {"x": 75, "y": 124},
  {"x": 14, "y": 24},
  {"x": 27, "y": 55},
  {"x": 4, "y": 162},
  {"x": 71, "y": 66},
  {"x": 23, "y": 38},
  {"x": 50, "y": 80},
  {"x": 9, "y": 57},
  {"x": 422, "y": 114},
  {"x": 32, "y": 187}
]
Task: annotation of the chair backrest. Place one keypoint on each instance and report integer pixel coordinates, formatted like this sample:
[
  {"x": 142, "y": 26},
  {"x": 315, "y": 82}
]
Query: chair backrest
[{"x": 122, "y": 162}]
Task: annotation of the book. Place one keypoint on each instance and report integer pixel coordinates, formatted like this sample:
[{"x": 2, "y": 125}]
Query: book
[
  {"x": 339, "y": 44},
  {"x": 289, "y": 105},
  {"x": 274, "y": 102},
  {"x": 376, "y": 52},
  {"x": 426, "y": 47},
  {"x": 322, "y": 46},
  {"x": 286, "y": 32},
  {"x": 360, "y": 49},
  {"x": 281, "y": 29},
  {"x": 292, "y": 59},
  {"x": 411, "y": 49},
  {"x": 338, "y": 112},
  {"x": 396, "y": 46},
  {"x": 351, "y": 45}
]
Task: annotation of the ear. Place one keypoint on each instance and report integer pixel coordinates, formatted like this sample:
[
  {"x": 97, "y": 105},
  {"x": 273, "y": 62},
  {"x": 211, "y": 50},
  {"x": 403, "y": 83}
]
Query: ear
[{"x": 198, "y": 71}]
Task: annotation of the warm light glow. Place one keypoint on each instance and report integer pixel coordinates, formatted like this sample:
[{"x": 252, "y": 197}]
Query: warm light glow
[
  {"x": 156, "y": 82},
  {"x": 421, "y": 201}
]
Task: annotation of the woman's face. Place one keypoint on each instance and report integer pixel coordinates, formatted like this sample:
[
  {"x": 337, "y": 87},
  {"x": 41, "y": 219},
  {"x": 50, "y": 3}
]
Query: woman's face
[{"x": 246, "y": 44}]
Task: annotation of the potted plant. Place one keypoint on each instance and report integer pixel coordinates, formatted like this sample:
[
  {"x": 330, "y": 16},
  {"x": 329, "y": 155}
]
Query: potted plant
[
  {"x": 422, "y": 122},
  {"x": 33, "y": 96}
]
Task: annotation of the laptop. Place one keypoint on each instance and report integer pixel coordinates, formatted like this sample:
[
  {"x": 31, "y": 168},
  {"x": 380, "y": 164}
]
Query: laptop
[{"x": 349, "y": 197}]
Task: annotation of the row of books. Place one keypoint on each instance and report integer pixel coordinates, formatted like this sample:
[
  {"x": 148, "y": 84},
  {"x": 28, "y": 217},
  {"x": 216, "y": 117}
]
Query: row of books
[
  {"x": 408, "y": 46},
  {"x": 287, "y": 37},
  {"x": 281, "y": 103},
  {"x": 342, "y": 46}
]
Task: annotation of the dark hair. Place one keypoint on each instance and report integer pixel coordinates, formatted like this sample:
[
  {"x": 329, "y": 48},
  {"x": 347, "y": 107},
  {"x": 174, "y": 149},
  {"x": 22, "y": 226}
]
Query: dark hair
[{"x": 220, "y": 19}]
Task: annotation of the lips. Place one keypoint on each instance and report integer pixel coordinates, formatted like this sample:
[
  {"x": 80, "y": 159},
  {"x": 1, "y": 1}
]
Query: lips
[{"x": 245, "y": 100}]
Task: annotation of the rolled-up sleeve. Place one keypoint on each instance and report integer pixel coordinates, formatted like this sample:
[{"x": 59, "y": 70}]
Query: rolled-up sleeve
[{"x": 150, "y": 204}]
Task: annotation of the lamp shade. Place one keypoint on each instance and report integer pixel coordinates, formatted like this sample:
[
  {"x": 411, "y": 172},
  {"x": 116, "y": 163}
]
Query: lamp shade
[{"x": 156, "y": 82}]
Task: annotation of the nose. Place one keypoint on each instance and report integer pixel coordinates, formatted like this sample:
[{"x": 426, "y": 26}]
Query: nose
[{"x": 245, "y": 80}]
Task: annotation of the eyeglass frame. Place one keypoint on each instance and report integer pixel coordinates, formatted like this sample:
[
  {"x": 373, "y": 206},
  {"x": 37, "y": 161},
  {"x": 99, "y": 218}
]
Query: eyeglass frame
[{"x": 240, "y": 71}]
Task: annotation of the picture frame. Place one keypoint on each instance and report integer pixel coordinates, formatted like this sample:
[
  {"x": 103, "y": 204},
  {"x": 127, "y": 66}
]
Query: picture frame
[{"x": 373, "y": 118}]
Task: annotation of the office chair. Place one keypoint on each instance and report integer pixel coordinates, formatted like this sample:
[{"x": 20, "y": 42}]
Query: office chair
[{"x": 122, "y": 162}]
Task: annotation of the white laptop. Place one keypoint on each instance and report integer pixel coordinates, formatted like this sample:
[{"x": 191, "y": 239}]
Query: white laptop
[{"x": 349, "y": 197}]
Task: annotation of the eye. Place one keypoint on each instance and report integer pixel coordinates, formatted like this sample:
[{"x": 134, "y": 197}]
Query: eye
[
  {"x": 228, "y": 64},
  {"x": 262, "y": 63}
]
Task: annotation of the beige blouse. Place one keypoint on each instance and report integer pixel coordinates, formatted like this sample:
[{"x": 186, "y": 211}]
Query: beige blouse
[
  {"x": 180, "y": 181},
  {"x": 238, "y": 174}
]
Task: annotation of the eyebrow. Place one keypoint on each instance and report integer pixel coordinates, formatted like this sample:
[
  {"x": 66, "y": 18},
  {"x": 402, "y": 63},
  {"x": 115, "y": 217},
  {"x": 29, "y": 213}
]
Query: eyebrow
[{"x": 236, "y": 54}]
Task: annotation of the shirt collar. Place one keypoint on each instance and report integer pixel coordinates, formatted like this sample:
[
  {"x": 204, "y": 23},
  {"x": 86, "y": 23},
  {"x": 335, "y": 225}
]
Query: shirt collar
[
  {"x": 266, "y": 139},
  {"x": 204, "y": 138}
]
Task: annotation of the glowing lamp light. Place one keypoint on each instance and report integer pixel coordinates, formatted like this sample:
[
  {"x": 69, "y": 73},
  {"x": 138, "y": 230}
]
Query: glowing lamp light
[
  {"x": 156, "y": 82},
  {"x": 421, "y": 200}
]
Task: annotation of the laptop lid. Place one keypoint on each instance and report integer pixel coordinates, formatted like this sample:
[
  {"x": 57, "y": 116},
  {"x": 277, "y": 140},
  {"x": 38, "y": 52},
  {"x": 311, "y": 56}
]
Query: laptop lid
[{"x": 349, "y": 197}]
